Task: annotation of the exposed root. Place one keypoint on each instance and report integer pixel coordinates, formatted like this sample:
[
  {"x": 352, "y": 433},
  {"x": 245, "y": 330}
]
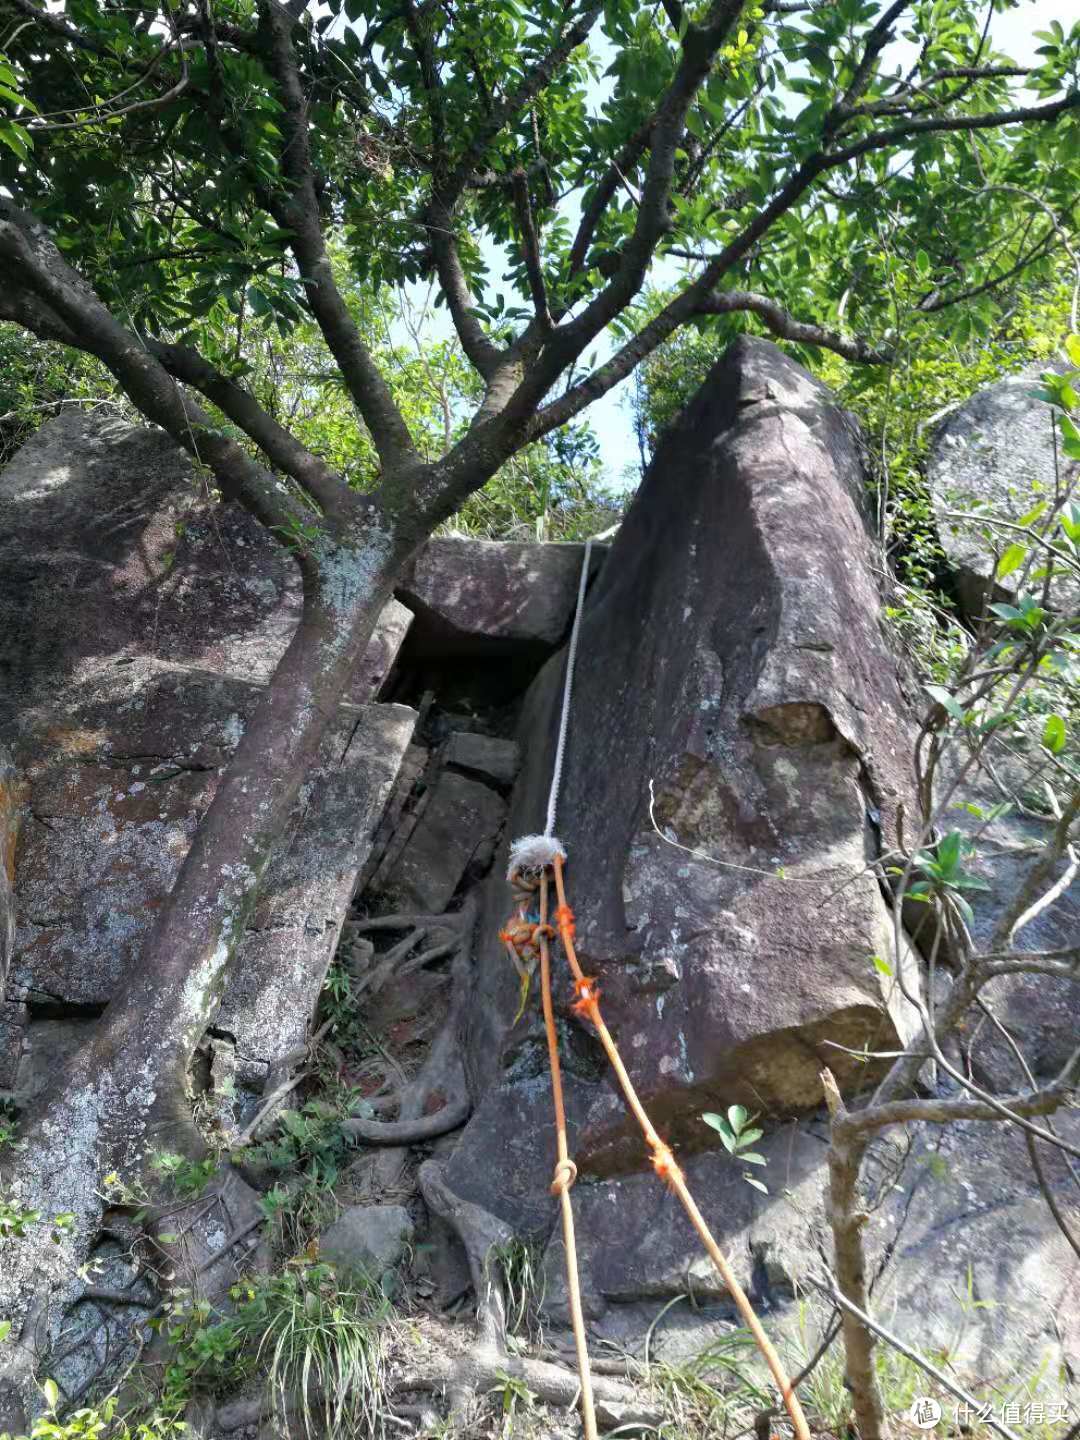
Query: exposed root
[
  {"x": 443, "y": 1072},
  {"x": 465, "y": 1379},
  {"x": 411, "y": 1132},
  {"x": 19, "y": 1366}
]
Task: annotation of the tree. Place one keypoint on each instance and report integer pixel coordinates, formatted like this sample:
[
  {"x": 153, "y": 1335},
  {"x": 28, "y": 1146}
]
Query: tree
[{"x": 165, "y": 166}]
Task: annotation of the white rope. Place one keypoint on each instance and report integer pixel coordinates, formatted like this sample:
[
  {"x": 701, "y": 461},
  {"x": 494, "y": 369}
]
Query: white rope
[
  {"x": 533, "y": 852},
  {"x": 568, "y": 687}
]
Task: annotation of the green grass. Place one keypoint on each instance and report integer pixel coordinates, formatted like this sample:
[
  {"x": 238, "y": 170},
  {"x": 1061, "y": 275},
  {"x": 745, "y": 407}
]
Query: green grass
[{"x": 325, "y": 1349}]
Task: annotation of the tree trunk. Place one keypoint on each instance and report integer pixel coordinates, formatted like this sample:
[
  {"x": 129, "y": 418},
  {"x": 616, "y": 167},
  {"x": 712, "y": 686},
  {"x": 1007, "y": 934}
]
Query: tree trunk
[
  {"x": 125, "y": 1094},
  {"x": 847, "y": 1219}
]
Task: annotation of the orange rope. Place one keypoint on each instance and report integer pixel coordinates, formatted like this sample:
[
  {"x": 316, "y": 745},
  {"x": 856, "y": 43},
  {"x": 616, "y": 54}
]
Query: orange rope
[
  {"x": 565, "y": 1172},
  {"x": 587, "y": 1004}
]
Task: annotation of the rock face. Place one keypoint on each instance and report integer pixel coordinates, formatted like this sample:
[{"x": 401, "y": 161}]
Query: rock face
[
  {"x": 9, "y": 825},
  {"x": 367, "y": 1240},
  {"x": 493, "y": 592},
  {"x": 731, "y": 659},
  {"x": 962, "y": 1219},
  {"x": 138, "y": 624},
  {"x": 995, "y": 452}
]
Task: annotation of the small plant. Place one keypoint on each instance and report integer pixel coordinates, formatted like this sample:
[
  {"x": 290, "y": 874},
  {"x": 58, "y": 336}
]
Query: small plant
[
  {"x": 187, "y": 1178},
  {"x": 514, "y": 1393},
  {"x": 713, "y": 1394},
  {"x": 737, "y": 1134},
  {"x": 325, "y": 1347},
  {"x": 15, "y": 1220},
  {"x": 94, "y": 1422},
  {"x": 942, "y": 869},
  {"x": 523, "y": 1285}
]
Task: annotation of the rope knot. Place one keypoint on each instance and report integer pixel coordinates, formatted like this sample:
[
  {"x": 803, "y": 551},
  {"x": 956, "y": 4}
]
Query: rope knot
[
  {"x": 664, "y": 1162},
  {"x": 588, "y": 999},
  {"x": 565, "y": 1175}
]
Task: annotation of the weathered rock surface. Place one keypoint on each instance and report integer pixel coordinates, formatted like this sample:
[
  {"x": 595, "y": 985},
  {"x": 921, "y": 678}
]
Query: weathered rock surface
[
  {"x": 138, "y": 625},
  {"x": 366, "y": 1240},
  {"x": 493, "y": 759},
  {"x": 731, "y": 658},
  {"x": 457, "y": 827},
  {"x": 994, "y": 453},
  {"x": 494, "y": 592},
  {"x": 978, "y": 1268},
  {"x": 9, "y": 829}
]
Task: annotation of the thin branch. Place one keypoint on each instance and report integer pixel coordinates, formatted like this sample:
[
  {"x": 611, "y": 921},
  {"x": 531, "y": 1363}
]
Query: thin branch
[
  {"x": 832, "y": 1289},
  {"x": 530, "y": 245},
  {"x": 786, "y": 327},
  {"x": 281, "y": 448}
]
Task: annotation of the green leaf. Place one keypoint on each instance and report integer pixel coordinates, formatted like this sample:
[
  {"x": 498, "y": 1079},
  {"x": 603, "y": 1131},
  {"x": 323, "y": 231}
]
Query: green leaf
[
  {"x": 1055, "y": 734},
  {"x": 720, "y": 1125},
  {"x": 882, "y": 966},
  {"x": 756, "y": 1183},
  {"x": 737, "y": 1116},
  {"x": 752, "y": 1157},
  {"x": 944, "y": 698},
  {"x": 5, "y": 1330},
  {"x": 1072, "y": 348},
  {"x": 51, "y": 1391},
  {"x": 1011, "y": 560}
]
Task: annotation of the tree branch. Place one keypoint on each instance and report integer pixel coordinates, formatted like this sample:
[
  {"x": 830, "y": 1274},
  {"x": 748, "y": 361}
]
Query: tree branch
[
  {"x": 300, "y": 215},
  {"x": 786, "y": 327},
  {"x": 530, "y": 245},
  {"x": 603, "y": 194},
  {"x": 699, "y": 49},
  {"x": 68, "y": 309},
  {"x": 283, "y": 451}
]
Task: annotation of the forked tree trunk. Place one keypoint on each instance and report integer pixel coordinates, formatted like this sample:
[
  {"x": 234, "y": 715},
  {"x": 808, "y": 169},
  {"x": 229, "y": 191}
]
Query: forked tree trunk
[{"x": 125, "y": 1094}]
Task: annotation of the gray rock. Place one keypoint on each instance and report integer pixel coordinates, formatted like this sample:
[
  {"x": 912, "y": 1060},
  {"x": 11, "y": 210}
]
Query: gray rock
[
  {"x": 9, "y": 830},
  {"x": 458, "y": 825},
  {"x": 978, "y": 1268},
  {"x": 367, "y": 1240},
  {"x": 1040, "y": 1012},
  {"x": 494, "y": 759},
  {"x": 996, "y": 452},
  {"x": 138, "y": 625},
  {"x": 732, "y": 657},
  {"x": 493, "y": 591}
]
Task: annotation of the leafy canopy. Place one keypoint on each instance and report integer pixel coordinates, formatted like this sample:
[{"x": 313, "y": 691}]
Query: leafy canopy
[{"x": 533, "y": 163}]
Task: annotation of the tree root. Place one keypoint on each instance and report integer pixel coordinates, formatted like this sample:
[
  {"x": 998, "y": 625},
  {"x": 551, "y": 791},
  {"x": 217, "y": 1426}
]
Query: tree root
[
  {"x": 443, "y": 1072},
  {"x": 467, "y": 1378},
  {"x": 411, "y": 1132}
]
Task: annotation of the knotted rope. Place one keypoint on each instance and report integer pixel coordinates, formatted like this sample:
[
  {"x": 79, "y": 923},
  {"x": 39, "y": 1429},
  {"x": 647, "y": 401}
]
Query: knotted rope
[{"x": 531, "y": 859}]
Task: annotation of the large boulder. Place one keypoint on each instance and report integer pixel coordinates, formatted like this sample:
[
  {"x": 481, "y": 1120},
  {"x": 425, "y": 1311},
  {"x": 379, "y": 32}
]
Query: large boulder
[
  {"x": 737, "y": 748},
  {"x": 139, "y": 623},
  {"x": 493, "y": 595},
  {"x": 994, "y": 455},
  {"x": 978, "y": 1270}
]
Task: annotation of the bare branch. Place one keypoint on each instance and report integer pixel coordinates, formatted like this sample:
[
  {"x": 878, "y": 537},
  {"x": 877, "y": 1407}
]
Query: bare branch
[
  {"x": 300, "y": 215},
  {"x": 786, "y": 327},
  {"x": 839, "y": 1298}
]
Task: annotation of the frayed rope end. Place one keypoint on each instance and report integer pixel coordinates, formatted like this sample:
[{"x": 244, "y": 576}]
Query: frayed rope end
[{"x": 534, "y": 852}]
